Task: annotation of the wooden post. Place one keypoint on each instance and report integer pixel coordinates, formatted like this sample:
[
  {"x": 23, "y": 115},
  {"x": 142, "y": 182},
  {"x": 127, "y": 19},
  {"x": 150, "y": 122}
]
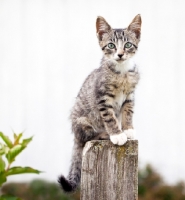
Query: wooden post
[{"x": 109, "y": 172}]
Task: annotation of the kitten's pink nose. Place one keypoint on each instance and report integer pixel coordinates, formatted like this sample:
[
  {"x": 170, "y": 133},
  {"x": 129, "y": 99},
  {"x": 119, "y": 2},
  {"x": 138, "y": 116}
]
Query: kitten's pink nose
[{"x": 120, "y": 55}]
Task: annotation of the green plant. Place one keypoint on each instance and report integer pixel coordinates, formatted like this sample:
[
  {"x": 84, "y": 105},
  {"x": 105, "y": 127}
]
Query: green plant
[{"x": 9, "y": 150}]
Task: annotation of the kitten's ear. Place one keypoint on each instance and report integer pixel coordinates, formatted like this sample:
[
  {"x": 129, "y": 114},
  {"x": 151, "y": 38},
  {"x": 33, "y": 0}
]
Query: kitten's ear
[
  {"x": 135, "y": 26},
  {"x": 102, "y": 27}
]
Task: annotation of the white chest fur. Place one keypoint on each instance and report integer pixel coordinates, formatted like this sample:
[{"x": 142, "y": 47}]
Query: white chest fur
[
  {"x": 125, "y": 66},
  {"x": 120, "y": 98}
]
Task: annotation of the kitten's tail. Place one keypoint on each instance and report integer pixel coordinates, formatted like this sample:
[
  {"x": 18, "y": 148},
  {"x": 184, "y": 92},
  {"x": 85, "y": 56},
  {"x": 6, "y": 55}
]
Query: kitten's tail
[{"x": 70, "y": 183}]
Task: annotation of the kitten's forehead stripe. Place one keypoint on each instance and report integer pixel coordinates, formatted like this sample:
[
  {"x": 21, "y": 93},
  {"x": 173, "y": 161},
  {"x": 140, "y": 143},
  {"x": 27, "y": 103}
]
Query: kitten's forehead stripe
[
  {"x": 115, "y": 36},
  {"x": 118, "y": 34}
]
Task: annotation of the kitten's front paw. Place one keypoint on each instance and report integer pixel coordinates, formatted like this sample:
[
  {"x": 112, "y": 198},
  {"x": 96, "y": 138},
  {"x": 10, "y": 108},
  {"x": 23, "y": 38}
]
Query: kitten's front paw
[
  {"x": 130, "y": 133},
  {"x": 118, "y": 139}
]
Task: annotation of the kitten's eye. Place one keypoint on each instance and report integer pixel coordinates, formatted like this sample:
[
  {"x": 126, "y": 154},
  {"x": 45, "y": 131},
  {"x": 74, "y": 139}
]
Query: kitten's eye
[
  {"x": 111, "y": 46},
  {"x": 128, "y": 45}
]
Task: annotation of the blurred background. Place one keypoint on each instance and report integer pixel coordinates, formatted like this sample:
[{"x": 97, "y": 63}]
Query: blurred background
[{"x": 47, "y": 49}]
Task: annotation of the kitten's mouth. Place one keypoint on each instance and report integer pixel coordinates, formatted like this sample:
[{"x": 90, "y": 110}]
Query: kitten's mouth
[{"x": 120, "y": 60}]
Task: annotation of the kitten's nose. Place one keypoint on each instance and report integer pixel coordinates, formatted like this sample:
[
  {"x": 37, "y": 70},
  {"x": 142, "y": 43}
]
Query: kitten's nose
[{"x": 120, "y": 55}]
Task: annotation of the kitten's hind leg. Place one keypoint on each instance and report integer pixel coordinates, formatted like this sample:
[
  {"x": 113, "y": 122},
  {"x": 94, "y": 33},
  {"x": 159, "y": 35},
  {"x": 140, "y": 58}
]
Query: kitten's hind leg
[{"x": 83, "y": 130}]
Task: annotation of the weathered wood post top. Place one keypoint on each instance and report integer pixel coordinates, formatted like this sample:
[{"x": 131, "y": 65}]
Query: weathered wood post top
[{"x": 109, "y": 172}]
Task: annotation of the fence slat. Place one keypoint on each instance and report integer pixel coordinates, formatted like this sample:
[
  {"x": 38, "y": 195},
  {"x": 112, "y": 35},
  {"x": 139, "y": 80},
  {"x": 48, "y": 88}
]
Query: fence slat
[{"x": 109, "y": 172}]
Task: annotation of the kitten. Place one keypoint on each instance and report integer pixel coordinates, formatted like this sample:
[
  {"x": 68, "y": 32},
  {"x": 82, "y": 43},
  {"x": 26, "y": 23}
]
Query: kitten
[{"x": 104, "y": 105}]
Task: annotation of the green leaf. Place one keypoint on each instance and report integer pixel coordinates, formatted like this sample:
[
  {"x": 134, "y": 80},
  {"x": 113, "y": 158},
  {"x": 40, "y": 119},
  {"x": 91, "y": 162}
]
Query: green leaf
[
  {"x": 21, "y": 170},
  {"x": 2, "y": 150},
  {"x": 7, "y": 197},
  {"x": 13, "y": 152},
  {"x": 6, "y": 140},
  {"x": 2, "y": 178},
  {"x": 2, "y": 164},
  {"x": 17, "y": 138},
  {"x": 25, "y": 142}
]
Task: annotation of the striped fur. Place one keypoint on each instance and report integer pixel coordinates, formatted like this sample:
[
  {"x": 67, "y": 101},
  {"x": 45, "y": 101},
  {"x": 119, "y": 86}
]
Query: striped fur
[{"x": 104, "y": 105}]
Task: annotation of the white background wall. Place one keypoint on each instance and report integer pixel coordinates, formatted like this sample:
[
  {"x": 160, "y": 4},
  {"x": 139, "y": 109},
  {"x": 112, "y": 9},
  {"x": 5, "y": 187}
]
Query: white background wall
[{"x": 48, "y": 47}]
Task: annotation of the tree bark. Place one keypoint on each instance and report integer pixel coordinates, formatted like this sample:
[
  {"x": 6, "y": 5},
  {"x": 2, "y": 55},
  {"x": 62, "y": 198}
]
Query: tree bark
[{"x": 109, "y": 172}]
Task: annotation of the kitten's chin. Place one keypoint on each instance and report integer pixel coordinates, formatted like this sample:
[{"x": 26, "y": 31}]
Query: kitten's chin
[
  {"x": 120, "y": 61},
  {"x": 116, "y": 62}
]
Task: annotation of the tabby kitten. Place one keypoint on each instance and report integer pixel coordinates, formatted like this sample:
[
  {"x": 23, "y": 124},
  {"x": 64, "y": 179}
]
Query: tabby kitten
[{"x": 104, "y": 105}]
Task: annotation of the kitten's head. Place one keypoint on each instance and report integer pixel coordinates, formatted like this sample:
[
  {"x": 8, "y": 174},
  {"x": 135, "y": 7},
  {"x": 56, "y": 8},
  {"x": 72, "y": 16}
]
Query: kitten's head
[{"x": 118, "y": 44}]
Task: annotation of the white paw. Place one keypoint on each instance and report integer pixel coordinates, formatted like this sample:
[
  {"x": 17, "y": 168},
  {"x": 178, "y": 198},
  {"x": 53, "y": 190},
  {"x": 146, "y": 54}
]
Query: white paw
[
  {"x": 118, "y": 139},
  {"x": 130, "y": 133}
]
